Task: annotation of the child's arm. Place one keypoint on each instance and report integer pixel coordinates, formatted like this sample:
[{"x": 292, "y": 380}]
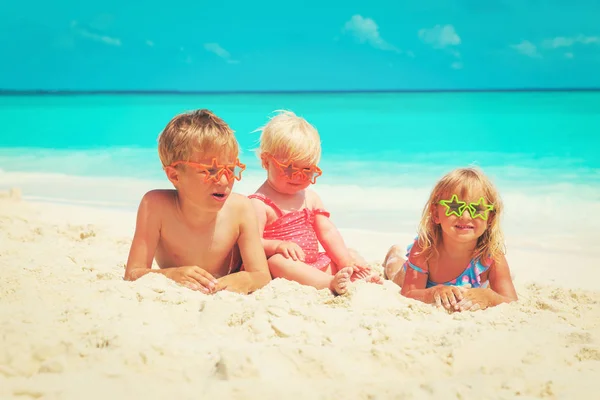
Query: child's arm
[
  {"x": 501, "y": 282},
  {"x": 256, "y": 271},
  {"x": 270, "y": 246},
  {"x": 415, "y": 282},
  {"x": 145, "y": 241},
  {"x": 145, "y": 238},
  {"x": 501, "y": 289},
  {"x": 329, "y": 236}
]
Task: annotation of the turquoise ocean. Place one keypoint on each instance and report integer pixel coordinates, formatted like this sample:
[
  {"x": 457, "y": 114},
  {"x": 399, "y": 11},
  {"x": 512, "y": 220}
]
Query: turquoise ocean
[{"x": 382, "y": 152}]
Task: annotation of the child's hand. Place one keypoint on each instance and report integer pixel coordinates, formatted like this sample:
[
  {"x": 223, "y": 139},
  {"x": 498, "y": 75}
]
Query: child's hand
[
  {"x": 476, "y": 299},
  {"x": 193, "y": 277},
  {"x": 290, "y": 250},
  {"x": 449, "y": 296}
]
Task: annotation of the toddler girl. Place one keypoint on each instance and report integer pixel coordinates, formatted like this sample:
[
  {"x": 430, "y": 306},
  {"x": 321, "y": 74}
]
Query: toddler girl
[{"x": 292, "y": 218}]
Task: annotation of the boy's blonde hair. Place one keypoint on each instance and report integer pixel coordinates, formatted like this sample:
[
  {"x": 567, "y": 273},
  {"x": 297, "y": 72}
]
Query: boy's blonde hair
[
  {"x": 463, "y": 182},
  {"x": 196, "y": 131},
  {"x": 288, "y": 137}
]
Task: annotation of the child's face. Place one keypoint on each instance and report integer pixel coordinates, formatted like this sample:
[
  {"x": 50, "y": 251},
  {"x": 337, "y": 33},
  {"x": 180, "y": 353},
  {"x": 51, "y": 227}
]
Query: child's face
[
  {"x": 466, "y": 226},
  {"x": 286, "y": 177},
  {"x": 205, "y": 180}
]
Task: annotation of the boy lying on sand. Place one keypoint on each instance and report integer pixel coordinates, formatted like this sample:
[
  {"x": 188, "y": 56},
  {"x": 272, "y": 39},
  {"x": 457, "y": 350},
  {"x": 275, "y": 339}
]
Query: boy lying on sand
[{"x": 200, "y": 232}]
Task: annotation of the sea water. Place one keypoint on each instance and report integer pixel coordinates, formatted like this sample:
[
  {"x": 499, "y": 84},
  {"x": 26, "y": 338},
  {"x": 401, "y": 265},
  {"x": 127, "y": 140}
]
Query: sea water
[{"x": 382, "y": 152}]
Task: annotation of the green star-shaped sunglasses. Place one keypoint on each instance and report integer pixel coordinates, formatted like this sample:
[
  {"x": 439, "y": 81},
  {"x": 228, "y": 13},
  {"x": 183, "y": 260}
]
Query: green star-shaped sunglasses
[{"x": 457, "y": 207}]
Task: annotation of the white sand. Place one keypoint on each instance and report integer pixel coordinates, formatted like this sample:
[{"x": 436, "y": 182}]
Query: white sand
[{"x": 71, "y": 328}]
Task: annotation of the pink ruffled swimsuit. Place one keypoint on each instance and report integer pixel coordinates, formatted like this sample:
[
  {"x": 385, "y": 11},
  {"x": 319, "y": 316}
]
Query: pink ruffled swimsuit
[{"x": 298, "y": 227}]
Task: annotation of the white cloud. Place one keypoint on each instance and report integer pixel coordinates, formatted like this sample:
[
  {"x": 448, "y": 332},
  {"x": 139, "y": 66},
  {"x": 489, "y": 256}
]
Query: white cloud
[
  {"x": 562, "y": 41},
  {"x": 527, "y": 48},
  {"x": 443, "y": 37},
  {"x": 216, "y": 48},
  {"x": 112, "y": 41},
  {"x": 365, "y": 30},
  {"x": 531, "y": 50},
  {"x": 440, "y": 36}
]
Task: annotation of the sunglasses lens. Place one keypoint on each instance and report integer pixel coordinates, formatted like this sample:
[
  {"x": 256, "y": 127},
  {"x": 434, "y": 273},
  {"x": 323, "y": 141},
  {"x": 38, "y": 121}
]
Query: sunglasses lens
[{"x": 236, "y": 172}]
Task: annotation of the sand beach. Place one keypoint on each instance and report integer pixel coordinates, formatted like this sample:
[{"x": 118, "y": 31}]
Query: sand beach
[{"x": 73, "y": 329}]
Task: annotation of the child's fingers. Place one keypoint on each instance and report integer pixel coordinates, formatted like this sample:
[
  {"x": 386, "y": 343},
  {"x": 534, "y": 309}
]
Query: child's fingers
[
  {"x": 457, "y": 293},
  {"x": 452, "y": 298},
  {"x": 474, "y": 307},
  {"x": 205, "y": 274},
  {"x": 444, "y": 300},
  {"x": 465, "y": 305},
  {"x": 301, "y": 254},
  {"x": 190, "y": 285},
  {"x": 438, "y": 300},
  {"x": 193, "y": 285},
  {"x": 297, "y": 251},
  {"x": 202, "y": 280}
]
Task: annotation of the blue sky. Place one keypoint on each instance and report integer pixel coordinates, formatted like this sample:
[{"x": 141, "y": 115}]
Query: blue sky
[{"x": 303, "y": 45}]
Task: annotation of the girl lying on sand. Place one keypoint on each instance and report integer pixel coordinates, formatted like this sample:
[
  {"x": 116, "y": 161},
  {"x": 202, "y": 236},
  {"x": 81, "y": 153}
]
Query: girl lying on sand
[{"x": 460, "y": 226}]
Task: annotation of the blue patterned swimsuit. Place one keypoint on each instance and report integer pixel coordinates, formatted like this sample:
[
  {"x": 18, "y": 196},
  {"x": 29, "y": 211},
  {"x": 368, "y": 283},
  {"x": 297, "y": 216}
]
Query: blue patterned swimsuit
[{"x": 471, "y": 275}]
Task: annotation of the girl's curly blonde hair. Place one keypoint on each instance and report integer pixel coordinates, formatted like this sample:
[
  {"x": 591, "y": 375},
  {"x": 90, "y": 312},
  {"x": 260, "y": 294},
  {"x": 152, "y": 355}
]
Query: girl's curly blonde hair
[
  {"x": 289, "y": 137},
  {"x": 466, "y": 183}
]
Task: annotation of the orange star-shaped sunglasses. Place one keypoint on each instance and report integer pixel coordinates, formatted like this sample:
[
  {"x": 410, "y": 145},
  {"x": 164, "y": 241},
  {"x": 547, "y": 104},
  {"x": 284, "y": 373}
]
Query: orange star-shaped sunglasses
[
  {"x": 215, "y": 171},
  {"x": 292, "y": 172}
]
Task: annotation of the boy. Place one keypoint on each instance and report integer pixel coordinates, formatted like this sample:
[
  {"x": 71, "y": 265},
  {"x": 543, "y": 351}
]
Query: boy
[{"x": 198, "y": 232}]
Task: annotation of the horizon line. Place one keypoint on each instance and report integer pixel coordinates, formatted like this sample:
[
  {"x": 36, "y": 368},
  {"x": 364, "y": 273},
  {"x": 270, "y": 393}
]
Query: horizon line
[{"x": 238, "y": 92}]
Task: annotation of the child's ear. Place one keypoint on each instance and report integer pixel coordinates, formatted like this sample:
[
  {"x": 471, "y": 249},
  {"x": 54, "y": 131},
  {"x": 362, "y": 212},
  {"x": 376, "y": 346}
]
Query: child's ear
[
  {"x": 172, "y": 175},
  {"x": 264, "y": 161}
]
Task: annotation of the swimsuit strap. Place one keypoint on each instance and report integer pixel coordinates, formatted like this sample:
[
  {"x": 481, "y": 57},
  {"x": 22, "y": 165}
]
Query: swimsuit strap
[
  {"x": 320, "y": 211},
  {"x": 478, "y": 267},
  {"x": 268, "y": 202},
  {"x": 278, "y": 211}
]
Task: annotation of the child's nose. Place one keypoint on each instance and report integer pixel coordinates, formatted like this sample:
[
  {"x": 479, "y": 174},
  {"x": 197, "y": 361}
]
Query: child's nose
[
  {"x": 223, "y": 180},
  {"x": 466, "y": 214}
]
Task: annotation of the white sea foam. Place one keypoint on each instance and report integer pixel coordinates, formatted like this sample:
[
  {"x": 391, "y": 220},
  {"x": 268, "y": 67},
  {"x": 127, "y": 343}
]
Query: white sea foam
[{"x": 545, "y": 207}]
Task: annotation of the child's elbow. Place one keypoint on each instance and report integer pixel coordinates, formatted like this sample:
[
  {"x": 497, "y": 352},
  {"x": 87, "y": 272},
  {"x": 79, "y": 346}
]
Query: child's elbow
[
  {"x": 131, "y": 274},
  {"x": 262, "y": 279}
]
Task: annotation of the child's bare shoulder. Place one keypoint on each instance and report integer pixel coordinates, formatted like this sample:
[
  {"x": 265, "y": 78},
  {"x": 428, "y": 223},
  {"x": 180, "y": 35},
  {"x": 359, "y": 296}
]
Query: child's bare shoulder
[
  {"x": 416, "y": 255},
  {"x": 257, "y": 203},
  {"x": 160, "y": 195},
  {"x": 240, "y": 204},
  {"x": 159, "y": 200},
  {"x": 313, "y": 199}
]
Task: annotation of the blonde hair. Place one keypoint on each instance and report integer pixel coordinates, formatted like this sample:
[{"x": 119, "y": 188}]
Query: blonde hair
[
  {"x": 288, "y": 137},
  {"x": 196, "y": 131},
  {"x": 463, "y": 182}
]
